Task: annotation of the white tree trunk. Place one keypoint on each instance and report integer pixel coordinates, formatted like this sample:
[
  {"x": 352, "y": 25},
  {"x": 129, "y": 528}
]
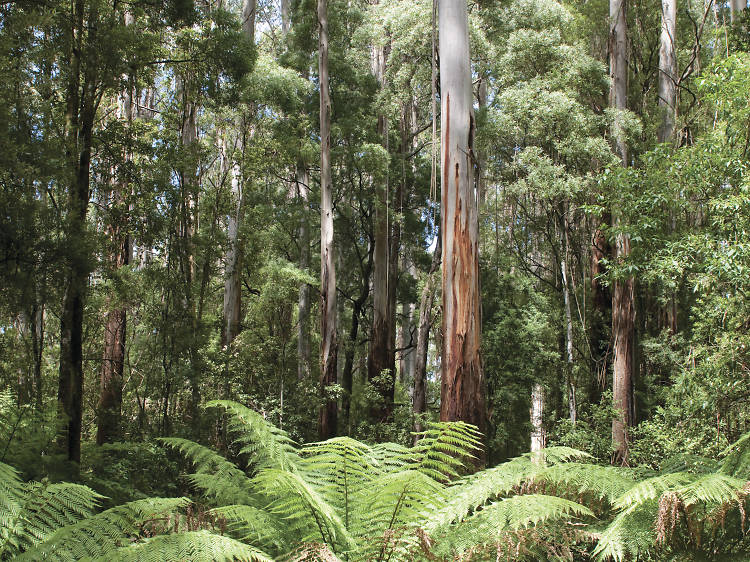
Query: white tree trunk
[
  {"x": 328, "y": 344},
  {"x": 668, "y": 69}
]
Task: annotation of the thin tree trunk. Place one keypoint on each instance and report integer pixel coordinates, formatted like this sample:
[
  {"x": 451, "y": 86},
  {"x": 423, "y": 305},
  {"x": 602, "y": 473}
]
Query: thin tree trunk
[
  {"x": 303, "y": 307},
  {"x": 568, "y": 321},
  {"x": 329, "y": 344},
  {"x": 462, "y": 389},
  {"x": 233, "y": 258},
  {"x": 623, "y": 309},
  {"x": 668, "y": 103},
  {"x": 423, "y": 338}
]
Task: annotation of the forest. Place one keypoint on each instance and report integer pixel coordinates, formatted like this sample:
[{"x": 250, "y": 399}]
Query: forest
[{"x": 374, "y": 280}]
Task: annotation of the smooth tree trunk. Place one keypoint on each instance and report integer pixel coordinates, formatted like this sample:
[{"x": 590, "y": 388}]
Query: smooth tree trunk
[
  {"x": 381, "y": 364},
  {"x": 668, "y": 69},
  {"x": 328, "y": 341},
  {"x": 569, "y": 359},
  {"x": 233, "y": 257},
  {"x": 668, "y": 103},
  {"x": 303, "y": 304},
  {"x": 426, "y": 301},
  {"x": 462, "y": 388},
  {"x": 623, "y": 306}
]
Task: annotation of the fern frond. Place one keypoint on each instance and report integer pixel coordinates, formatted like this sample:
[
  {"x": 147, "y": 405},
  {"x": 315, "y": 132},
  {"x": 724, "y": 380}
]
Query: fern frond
[
  {"x": 339, "y": 468},
  {"x": 737, "y": 460},
  {"x": 651, "y": 488},
  {"x": 713, "y": 488},
  {"x": 390, "y": 510},
  {"x": 604, "y": 482},
  {"x": 306, "y": 512},
  {"x": 101, "y": 534},
  {"x": 490, "y": 524},
  {"x": 215, "y": 476},
  {"x": 475, "y": 490},
  {"x": 191, "y": 545},
  {"x": 444, "y": 447},
  {"x": 629, "y": 535},
  {"x": 47, "y": 508},
  {"x": 265, "y": 445},
  {"x": 254, "y": 526}
]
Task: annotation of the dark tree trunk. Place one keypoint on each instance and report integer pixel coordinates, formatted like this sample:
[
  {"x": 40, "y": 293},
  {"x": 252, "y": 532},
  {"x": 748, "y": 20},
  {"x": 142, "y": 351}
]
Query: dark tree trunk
[{"x": 423, "y": 337}]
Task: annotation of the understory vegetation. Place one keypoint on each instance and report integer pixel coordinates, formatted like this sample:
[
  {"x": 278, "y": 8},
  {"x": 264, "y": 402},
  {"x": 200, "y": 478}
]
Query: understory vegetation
[{"x": 266, "y": 498}]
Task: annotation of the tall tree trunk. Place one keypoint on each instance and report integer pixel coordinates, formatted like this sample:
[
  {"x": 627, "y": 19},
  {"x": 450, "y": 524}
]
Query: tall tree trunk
[
  {"x": 303, "y": 305},
  {"x": 328, "y": 342},
  {"x": 187, "y": 225},
  {"x": 426, "y": 301},
  {"x": 623, "y": 309},
  {"x": 233, "y": 258},
  {"x": 381, "y": 364},
  {"x": 668, "y": 69},
  {"x": 109, "y": 408},
  {"x": 569, "y": 360},
  {"x": 735, "y": 9},
  {"x": 82, "y": 100},
  {"x": 462, "y": 389},
  {"x": 668, "y": 104}
]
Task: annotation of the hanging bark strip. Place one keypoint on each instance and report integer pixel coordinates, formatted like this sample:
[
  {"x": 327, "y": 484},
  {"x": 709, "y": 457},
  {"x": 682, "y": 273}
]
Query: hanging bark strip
[{"x": 462, "y": 388}]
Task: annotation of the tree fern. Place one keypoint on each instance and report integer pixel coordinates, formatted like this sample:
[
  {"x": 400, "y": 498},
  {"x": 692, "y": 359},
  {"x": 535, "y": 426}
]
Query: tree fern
[
  {"x": 99, "y": 535},
  {"x": 265, "y": 445},
  {"x": 31, "y": 513},
  {"x": 492, "y": 523},
  {"x": 191, "y": 545}
]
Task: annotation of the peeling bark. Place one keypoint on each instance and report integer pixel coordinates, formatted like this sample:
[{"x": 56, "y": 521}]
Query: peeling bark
[{"x": 462, "y": 388}]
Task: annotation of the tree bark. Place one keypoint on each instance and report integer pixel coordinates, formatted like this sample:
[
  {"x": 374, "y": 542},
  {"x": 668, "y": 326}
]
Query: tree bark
[
  {"x": 462, "y": 389},
  {"x": 381, "y": 364},
  {"x": 623, "y": 309},
  {"x": 735, "y": 9},
  {"x": 328, "y": 344},
  {"x": 538, "y": 434}
]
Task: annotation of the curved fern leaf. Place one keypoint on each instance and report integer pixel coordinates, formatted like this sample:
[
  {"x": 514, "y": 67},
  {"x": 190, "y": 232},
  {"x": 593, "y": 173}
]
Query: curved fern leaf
[{"x": 191, "y": 545}]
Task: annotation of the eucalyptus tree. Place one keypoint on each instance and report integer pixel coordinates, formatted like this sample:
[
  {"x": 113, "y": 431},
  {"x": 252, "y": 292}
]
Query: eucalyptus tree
[
  {"x": 462, "y": 391},
  {"x": 623, "y": 295},
  {"x": 329, "y": 342}
]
